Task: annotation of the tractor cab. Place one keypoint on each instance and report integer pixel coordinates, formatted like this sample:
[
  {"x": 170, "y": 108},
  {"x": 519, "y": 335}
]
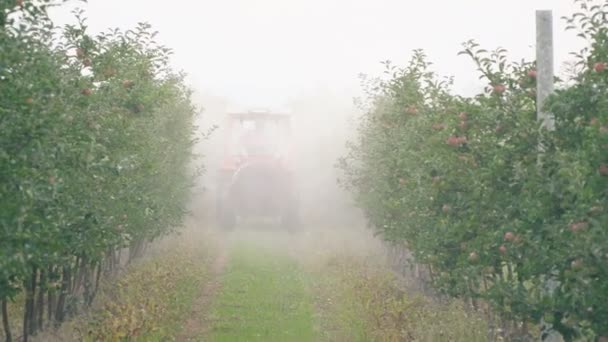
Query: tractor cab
[
  {"x": 256, "y": 135},
  {"x": 256, "y": 178}
]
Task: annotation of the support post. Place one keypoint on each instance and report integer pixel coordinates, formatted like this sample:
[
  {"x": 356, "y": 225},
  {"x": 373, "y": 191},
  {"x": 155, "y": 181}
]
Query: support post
[
  {"x": 545, "y": 87},
  {"x": 544, "y": 66}
]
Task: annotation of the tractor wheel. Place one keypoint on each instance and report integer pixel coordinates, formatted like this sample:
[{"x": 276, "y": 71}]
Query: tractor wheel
[
  {"x": 227, "y": 219},
  {"x": 290, "y": 220}
]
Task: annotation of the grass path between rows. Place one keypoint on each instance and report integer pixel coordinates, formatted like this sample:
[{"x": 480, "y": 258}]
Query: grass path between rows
[
  {"x": 267, "y": 286},
  {"x": 197, "y": 323},
  {"x": 263, "y": 298}
]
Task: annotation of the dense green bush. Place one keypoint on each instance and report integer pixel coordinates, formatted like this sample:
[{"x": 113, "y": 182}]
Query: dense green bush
[
  {"x": 462, "y": 182},
  {"x": 94, "y": 154}
]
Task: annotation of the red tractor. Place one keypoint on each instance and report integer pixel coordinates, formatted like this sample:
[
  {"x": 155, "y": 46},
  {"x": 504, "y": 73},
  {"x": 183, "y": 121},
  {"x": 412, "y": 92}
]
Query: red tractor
[{"x": 256, "y": 177}]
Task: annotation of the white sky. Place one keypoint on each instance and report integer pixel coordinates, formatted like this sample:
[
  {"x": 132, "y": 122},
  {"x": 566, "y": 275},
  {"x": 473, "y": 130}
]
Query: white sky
[{"x": 264, "y": 52}]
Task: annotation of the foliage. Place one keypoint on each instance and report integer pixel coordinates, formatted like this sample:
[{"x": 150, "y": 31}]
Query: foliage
[
  {"x": 96, "y": 141},
  {"x": 464, "y": 183}
]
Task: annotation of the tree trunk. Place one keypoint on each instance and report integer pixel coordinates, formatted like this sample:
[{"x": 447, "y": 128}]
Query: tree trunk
[
  {"x": 50, "y": 296},
  {"x": 7, "y": 327},
  {"x": 33, "y": 326},
  {"x": 97, "y": 280},
  {"x": 87, "y": 293},
  {"x": 40, "y": 302},
  {"x": 50, "y": 310},
  {"x": 65, "y": 282},
  {"x": 77, "y": 279},
  {"x": 29, "y": 306}
]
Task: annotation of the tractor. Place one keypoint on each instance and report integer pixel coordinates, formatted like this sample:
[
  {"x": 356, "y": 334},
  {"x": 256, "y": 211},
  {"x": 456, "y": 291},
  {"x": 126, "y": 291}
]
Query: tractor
[{"x": 256, "y": 177}]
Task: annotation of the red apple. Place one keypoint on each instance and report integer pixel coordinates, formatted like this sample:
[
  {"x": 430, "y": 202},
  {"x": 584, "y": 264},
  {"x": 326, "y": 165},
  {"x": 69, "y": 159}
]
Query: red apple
[
  {"x": 109, "y": 72},
  {"x": 127, "y": 83},
  {"x": 453, "y": 141},
  {"x": 502, "y": 249},
  {"x": 532, "y": 73},
  {"x": 509, "y": 236},
  {"x": 19, "y": 3},
  {"x": 603, "y": 169},
  {"x": 80, "y": 53},
  {"x": 578, "y": 226},
  {"x": 412, "y": 110},
  {"x": 499, "y": 88},
  {"x": 29, "y": 100},
  {"x": 87, "y": 62},
  {"x": 402, "y": 181},
  {"x": 463, "y": 116},
  {"x": 438, "y": 126},
  {"x": 446, "y": 208},
  {"x": 86, "y": 92},
  {"x": 599, "y": 66}
]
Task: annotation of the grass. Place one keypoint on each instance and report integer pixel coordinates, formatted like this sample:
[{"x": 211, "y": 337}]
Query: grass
[
  {"x": 274, "y": 288},
  {"x": 263, "y": 299},
  {"x": 358, "y": 298},
  {"x": 361, "y": 301},
  {"x": 150, "y": 301}
]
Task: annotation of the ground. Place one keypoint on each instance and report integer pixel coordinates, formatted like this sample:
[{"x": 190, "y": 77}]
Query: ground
[{"x": 259, "y": 283}]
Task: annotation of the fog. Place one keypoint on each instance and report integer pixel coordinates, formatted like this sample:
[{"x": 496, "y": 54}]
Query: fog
[
  {"x": 266, "y": 52},
  {"x": 305, "y": 57}
]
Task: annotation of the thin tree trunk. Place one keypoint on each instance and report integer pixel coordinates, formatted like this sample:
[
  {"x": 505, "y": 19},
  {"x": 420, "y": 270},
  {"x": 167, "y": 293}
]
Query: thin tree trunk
[
  {"x": 7, "y": 327},
  {"x": 110, "y": 261},
  {"x": 50, "y": 310},
  {"x": 79, "y": 276},
  {"x": 72, "y": 284},
  {"x": 87, "y": 293},
  {"x": 50, "y": 295},
  {"x": 33, "y": 327},
  {"x": 97, "y": 280},
  {"x": 118, "y": 262},
  {"x": 29, "y": 306},
  {"x": 26, "y": 322},
  {"x": 40, "y": 302},
  {"x": 65, "y": 281}
]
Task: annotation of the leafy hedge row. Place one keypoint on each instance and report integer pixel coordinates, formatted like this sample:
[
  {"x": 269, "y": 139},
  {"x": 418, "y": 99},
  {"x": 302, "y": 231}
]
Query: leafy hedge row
[
  {"x": 462, "y": 182},
  {"x": 94, "y": 155}
]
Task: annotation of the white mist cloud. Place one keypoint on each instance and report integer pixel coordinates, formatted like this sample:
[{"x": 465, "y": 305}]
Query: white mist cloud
[{"x": 264, "y": 52}]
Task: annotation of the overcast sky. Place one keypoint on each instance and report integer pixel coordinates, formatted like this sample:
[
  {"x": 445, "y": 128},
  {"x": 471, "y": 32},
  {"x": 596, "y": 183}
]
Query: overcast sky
[{"x": 264, "y": 52}]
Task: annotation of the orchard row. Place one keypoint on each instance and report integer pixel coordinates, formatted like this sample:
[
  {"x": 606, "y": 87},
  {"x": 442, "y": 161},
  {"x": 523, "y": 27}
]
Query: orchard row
[
  {"x": 94, "y": 157},
  {"x": 500, "y": 210}
]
